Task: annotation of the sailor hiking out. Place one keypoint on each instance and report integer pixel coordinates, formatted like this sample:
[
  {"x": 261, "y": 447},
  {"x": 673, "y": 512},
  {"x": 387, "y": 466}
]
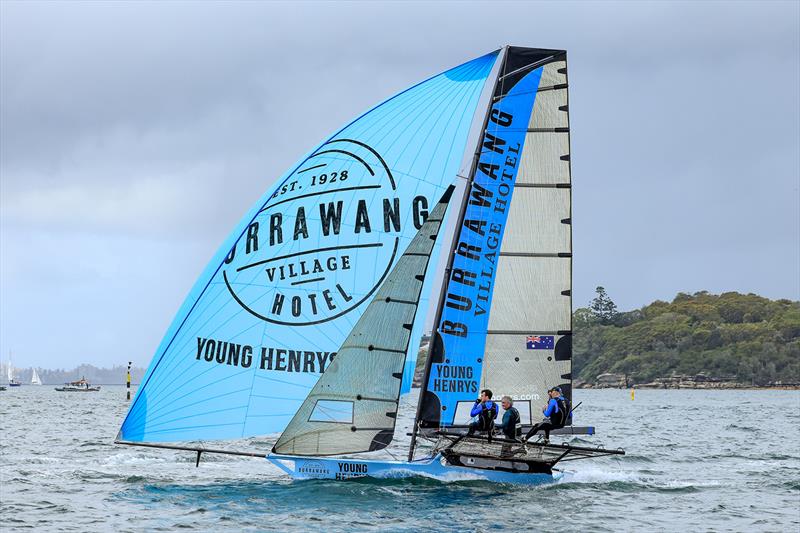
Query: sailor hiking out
[
  {"x": 557, "y": 414},
  {"x": 484, "y": 411}
]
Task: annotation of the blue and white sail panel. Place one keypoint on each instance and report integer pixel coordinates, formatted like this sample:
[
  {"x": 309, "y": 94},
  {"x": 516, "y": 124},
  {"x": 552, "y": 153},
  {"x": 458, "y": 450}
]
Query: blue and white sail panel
[
  {"x": 280, "y": 296},
  {"x": 458, "y": 357}
]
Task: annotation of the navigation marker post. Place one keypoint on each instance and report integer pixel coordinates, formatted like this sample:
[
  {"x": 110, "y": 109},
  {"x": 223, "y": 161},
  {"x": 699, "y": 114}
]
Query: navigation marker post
[{"x": 128, "y": 381}]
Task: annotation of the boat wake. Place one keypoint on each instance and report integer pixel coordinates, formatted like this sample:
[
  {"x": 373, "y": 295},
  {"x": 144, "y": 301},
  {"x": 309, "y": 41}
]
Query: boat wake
[
  {"x": 598, "y": 475},
  {"x": 632, "y": 481}
]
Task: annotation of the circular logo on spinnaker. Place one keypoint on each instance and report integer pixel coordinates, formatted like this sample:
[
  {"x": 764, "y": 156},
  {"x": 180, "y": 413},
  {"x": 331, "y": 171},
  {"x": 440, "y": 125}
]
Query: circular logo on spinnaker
[{"x": 324, "y": 241}]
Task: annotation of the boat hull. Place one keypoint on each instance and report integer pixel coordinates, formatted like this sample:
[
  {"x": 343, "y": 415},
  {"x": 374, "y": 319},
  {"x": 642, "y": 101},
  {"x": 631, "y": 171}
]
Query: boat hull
[
  {"x": 436, "y": 468},
  {"x": 67, "y": 389}
]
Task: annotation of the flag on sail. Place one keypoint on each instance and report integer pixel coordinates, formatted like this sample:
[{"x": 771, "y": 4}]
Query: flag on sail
[
  {"x": 267, "y": 316},
  {"x": 540, "y": 342}
]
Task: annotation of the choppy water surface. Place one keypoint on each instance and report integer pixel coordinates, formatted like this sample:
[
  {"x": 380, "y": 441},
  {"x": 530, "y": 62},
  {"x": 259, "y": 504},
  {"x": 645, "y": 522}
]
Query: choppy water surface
[{"x": 700, "y": 460}]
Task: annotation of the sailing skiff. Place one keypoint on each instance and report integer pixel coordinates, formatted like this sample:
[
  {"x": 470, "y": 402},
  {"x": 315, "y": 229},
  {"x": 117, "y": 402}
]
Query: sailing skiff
[{"x": 307, "y": 320}]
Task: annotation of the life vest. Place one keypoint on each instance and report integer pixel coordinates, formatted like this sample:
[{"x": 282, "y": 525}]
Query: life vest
[
  {"x": 513, "y": 427},
  {"x": 561, "y": 418},
  {"x": 487, "y": 416}
]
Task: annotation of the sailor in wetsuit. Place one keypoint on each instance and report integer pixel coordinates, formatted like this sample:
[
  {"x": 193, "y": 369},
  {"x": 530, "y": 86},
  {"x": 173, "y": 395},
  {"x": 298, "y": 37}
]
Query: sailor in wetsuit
[
  {"x": 557, "y": 412},
  {"x": 511, "y": 419},
  {"x": 486, "y": 411}
]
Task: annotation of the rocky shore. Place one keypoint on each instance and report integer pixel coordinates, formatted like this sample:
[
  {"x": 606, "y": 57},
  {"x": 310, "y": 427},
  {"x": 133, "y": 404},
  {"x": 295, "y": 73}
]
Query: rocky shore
[{"x": 677, "y": 381}]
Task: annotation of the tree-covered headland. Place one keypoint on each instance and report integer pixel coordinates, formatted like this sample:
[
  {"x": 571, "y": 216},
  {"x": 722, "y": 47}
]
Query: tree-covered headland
[{"x": 742, "y": 338}]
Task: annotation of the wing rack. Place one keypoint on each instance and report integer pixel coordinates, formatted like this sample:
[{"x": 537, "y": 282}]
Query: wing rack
[{"x": 512, "y": 455}]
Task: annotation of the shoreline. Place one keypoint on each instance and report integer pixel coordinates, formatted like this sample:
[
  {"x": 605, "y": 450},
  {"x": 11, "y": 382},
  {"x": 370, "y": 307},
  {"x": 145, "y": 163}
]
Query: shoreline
[{"x": 695, "y": 387}]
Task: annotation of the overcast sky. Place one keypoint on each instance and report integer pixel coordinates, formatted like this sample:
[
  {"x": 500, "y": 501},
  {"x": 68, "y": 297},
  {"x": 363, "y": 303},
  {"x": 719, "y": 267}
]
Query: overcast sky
[{"x": 134, "y": 136}]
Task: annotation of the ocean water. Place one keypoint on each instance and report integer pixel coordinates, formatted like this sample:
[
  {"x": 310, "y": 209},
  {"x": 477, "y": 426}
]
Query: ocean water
[{"x": 696, "y": 460}]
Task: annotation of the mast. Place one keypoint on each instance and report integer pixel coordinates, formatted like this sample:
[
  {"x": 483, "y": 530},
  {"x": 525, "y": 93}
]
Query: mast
[{"x": 435, "y": 339}]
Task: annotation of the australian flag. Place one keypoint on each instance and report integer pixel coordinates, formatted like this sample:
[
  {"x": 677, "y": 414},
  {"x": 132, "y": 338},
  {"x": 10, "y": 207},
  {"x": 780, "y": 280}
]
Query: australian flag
[{"x": 541, "y": 342}]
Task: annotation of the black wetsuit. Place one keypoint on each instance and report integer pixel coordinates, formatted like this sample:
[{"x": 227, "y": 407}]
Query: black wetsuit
[
  {"x": 486, "y": 413},
  {"x": 557, "y": 411},
  {"x": 510, "y": 423}
]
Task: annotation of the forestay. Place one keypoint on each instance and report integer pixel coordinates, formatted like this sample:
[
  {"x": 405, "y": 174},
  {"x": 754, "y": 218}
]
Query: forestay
[
  {"x": 269, "y": 312},
  {"x": 353, "y": 407}
]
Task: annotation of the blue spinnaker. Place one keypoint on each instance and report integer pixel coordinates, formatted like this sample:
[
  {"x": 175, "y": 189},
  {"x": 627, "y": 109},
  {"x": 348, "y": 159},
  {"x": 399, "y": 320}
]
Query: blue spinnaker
[{"x": 286, "y": 287}]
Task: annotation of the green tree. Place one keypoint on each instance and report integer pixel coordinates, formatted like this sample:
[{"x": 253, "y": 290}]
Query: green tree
[
  {"x": 603, "y": 308},
  {"x": 743, "y": 337}
]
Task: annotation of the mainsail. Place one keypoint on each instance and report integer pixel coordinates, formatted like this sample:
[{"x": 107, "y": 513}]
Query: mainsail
[
  {"x": 266, "y": 317},
  {"x": 504, "y": 322},
  {"x": 354, "y": 405},
  {"x": 35, "y": 379}
]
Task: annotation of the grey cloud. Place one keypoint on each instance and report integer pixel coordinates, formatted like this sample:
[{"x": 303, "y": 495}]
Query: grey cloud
[{"x": 145, "y": 131}]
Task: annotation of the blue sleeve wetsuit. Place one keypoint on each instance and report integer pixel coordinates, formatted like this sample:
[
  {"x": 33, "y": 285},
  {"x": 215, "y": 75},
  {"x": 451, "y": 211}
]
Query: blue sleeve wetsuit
[
  {"x": 486, "y": 414},
  {"x": 546, "y": 426},
  {"x": 552, "y": 408},
  {"x": 478, "y": 407}
]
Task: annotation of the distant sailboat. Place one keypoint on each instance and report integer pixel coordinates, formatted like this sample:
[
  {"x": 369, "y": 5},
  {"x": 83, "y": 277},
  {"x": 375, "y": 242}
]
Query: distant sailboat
[
  {"x": 35, "y": 379},
  {"x": 12, "y": 382},
  {"x": 306, "y": 321}
]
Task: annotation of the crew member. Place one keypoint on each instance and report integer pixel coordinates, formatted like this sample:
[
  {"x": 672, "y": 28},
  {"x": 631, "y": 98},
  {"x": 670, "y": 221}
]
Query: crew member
[
  {"x": 557, "y": 412},
  {"x": 486, "y": 411},
  {"x": 511, "y": 419}
]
